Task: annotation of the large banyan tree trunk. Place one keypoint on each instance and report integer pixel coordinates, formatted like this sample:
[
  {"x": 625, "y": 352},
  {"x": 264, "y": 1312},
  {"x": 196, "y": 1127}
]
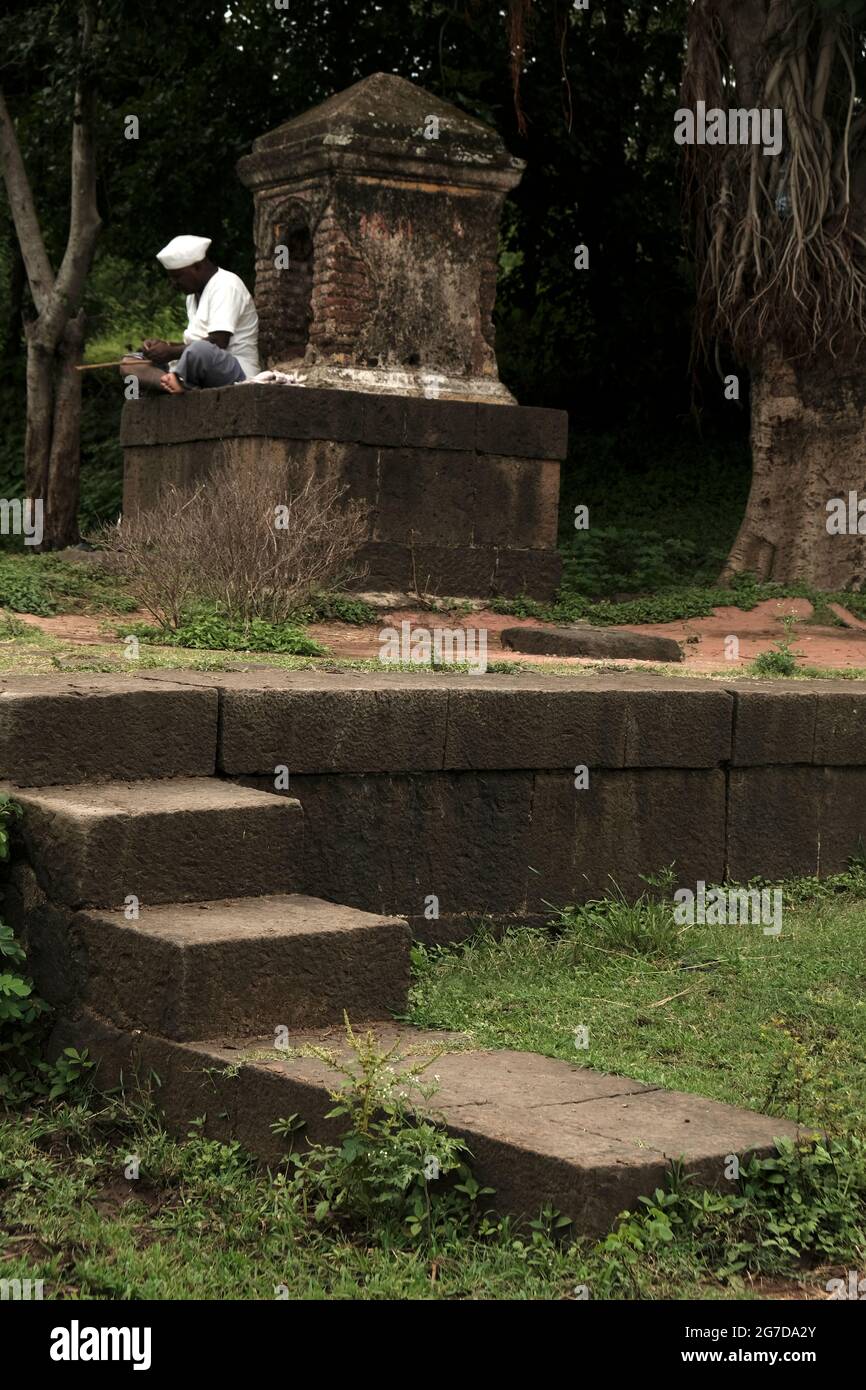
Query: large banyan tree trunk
[
  {"x": 808, "y": 448},
  {"x": 780, "y": 249}
]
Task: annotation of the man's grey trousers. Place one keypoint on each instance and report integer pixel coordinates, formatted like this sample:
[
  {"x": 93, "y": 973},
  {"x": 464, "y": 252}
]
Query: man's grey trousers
[{"x": 204, "y": 364}]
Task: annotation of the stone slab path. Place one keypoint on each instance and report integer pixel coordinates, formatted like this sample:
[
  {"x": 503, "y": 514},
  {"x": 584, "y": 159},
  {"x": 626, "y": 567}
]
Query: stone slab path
[{"x": 540, "y": 1131}]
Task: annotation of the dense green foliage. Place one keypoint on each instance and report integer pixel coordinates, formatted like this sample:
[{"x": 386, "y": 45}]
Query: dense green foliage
[
  {"x": 24, "y": 1072},
  {"x": 212, "y": 632}
]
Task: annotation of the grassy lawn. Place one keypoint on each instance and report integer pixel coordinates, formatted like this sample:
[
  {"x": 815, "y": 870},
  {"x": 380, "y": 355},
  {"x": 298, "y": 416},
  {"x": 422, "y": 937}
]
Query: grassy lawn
[
  {"x": 772, "y": 1023},
  {"x": 769, "y": 1023}
]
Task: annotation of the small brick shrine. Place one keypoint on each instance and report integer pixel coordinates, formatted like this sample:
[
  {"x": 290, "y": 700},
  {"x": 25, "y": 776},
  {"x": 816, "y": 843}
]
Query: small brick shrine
[{"x": 376, "y": 233}]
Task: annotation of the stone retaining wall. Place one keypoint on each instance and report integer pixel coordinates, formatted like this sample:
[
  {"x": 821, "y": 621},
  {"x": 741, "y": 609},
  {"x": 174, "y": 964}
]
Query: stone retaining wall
[{"x": 463, "y": 788}]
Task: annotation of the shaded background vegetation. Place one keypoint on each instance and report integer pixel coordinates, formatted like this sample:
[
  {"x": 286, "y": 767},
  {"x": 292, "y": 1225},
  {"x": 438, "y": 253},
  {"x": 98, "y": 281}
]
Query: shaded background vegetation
[{"x": 656, "y": 453}]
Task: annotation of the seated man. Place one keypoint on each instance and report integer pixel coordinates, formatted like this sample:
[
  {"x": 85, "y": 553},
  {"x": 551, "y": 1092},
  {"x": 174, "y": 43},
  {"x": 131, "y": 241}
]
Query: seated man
[{"x": 221, "y": 342}]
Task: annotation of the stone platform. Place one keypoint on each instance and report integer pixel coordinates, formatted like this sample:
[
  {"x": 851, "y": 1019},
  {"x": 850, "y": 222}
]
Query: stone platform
[
  {"x": 463, "y": 496},
  {"x": 464, "y": 786},
  {"x": 181, "y": 919}
]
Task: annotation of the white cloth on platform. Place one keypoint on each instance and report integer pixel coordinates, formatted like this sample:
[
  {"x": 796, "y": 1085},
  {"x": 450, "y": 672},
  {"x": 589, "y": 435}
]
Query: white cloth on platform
[
  {"x": 226, "y": 306},
  {"x": 182, "y": 251},
  {"x": 273, "y": 378}
]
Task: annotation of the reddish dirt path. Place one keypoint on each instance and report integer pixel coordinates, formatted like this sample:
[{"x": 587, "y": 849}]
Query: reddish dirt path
[
  {"x": 705, "y": 639},
  {"x": 86, "y": 628}
]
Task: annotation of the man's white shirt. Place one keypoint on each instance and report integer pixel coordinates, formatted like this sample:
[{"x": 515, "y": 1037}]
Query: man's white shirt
[{"x": 226, "y": 306}]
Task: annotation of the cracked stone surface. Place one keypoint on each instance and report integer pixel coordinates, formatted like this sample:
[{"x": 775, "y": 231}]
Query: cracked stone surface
[{"x": 540, "y": 1130}]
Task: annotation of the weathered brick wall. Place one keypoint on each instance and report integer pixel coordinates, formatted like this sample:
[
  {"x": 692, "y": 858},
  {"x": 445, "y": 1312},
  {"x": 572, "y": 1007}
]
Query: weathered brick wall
[
  {"x": 406, "y": 277},
  {"x": 343, "y": 293},
  {"x": 283, "y": 293}
]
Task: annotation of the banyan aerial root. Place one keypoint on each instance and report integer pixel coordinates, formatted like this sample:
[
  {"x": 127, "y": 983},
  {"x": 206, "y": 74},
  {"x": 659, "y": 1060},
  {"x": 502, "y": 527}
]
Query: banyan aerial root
[{"x": 778, "y": 239}]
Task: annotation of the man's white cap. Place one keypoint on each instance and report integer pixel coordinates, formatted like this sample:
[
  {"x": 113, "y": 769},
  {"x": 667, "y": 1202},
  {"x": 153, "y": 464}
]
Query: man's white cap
[{"x": 183, "y": 251}]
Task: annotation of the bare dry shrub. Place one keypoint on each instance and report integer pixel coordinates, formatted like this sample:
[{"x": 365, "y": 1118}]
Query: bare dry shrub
[
  {"x": 153, "y": 555},
  {"x": 257, "y": 539}
]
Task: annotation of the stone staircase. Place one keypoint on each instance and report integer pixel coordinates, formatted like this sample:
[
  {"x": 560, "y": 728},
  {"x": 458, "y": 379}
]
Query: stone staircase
[
  {"x": 180, "y": 916},
  {"x": 162, "y": 917}
]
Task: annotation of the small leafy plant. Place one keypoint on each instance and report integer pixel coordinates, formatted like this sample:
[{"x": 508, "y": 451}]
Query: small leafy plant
[
  {"x": 395, "y": 1167},
  {"x": 211, "y": 631},
  {"x": 21, "y": 1012},
  {"x": 781, "y": 659},
  {"x": 806, "y": 1202},
  {"x": 338, "y": 608}
]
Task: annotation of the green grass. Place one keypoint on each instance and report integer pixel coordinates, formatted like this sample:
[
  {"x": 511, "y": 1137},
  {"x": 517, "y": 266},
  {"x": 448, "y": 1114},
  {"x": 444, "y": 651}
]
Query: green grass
[
  {"x": 670, "y": 603},
  {"x": 723, "y": 1011},
  {"x": 204, "y": 1222}
]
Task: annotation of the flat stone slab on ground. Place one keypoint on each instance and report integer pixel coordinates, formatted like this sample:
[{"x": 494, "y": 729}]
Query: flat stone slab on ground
[
  {"x": 540, "y": 1130},
  {"x": 591, "y": 641}
]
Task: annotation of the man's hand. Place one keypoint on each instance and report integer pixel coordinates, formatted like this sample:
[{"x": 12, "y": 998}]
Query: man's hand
[{"x": 157, "y": 350}]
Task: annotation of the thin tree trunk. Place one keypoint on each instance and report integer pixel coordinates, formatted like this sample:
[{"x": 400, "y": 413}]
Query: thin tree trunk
[
  {"x": 56, "y": 336},
  {"x": 64, "y": 463},
  {"x": 39, "y": 413},
  {"x": 808, "y": 447}
]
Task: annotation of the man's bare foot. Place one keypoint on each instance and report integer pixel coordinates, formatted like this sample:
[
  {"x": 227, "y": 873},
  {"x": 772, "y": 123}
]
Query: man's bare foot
[{"x": 169, "y": 382}]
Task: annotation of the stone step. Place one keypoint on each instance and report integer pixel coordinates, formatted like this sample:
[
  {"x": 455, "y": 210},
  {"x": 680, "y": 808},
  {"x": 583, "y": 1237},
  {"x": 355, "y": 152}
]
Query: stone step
[
  {"x": 241, "y": 965},
  {"x": 541, "y": 1131},
  {"x": 104, "y": 728},
  {"x": 177, "y": 840}
]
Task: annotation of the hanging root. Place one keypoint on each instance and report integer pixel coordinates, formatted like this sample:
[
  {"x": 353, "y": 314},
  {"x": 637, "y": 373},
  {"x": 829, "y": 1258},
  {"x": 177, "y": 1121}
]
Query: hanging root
[
  {"x": 519, "y": 12},
  {"x": 778, "y": 244}
]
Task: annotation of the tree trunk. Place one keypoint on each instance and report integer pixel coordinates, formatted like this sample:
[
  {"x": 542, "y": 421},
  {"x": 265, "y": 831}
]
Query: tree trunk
[
  {"x": 808, "y": 447},
  {"x": 56, "y": 335},
  {"x": 64, "y": 462},
  {"x": 52, "y": 451},
  {"x": 40, "y": 410}
]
